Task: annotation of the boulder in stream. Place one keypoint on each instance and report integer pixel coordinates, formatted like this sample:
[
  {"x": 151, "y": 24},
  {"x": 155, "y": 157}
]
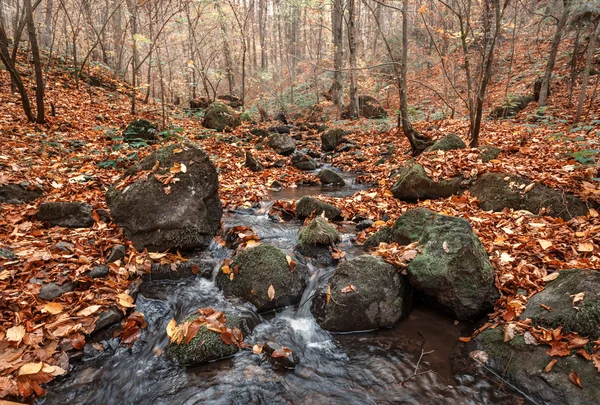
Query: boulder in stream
[
  {"x": 328, "y": 176},
  {"x": 186, "y": 214},
  {"x": 302, "y": 161},
  {"x": 452, "y": 267},
  {"x": 308, "y": 206},
  {"x": 263, "y": 276},
  {"x": 316, "y": 239},
  {"x": 282, "y": 144},
  {"x": 414, "y": 184},
  {"x": 365, "y": 293}
]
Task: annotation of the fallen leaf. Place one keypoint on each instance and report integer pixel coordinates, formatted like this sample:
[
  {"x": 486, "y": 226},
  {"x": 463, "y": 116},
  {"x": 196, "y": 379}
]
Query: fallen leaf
[
  {"x": 291, "y": 263},
  {"x": 53, "y": 308},
  {"x": 349, "y": 288},
  {"x": 551, "y": 365},
  {"x": 92, "y": 309},
  {"x": 328, "y": 296},
  {"x": 574, "y": 378},
  {"x": 257, "y": 349},
  {"x": 125, "y": 300},
  {"x": 596, "y": 360},
  {"x": 585, "y": 247},
  {"x": 445, "y": 247},
  {"x": 577, "y": 298},
  {"x": 31, "y": 368},
  {"x": 550, "y": 277},
  {"x": 545, "y": 244},
  {"x": 271, "y": 292},
  {"x": 509, "y": 331},
  {"x": 171, "y": 327}
]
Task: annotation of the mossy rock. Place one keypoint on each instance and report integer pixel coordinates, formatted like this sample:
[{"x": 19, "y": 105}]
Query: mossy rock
[
  {"x": 414, "y": 184},
  {"x": 497, "y": 191},
  {"x": 319, "y": 232},
  {"x": 328, "y": 176},
  {"x": 219, "y": 116},
  {"x": 488, "y": 153},
  {"x": 523, "y": 366},
  {"x": 384, "y": 235},
  {"x": 513, "y": 106},
  {"x": 379, "y": 296},
  {"x": 585, "y": 319},
  {"x": 206, "y": 346},
  {"x": 258, "y": 269},
  {"x": 141, "y": 129},
  {"x": 449, "y": 142},
  {"x": 308, "y": 206}
]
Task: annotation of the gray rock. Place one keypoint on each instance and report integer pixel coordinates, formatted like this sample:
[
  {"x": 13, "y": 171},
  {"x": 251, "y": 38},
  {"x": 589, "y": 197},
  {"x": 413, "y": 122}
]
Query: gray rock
[
  {"x": 107, "y": 318},
  {"x": 331, "y": 139},
  {"x": 449, "y": 142},
  {"x": 99, "y": 272},
  {"x": 8, "y": 254},
  {"x": 186, "y": 218},
  {"x": 200, "y": 267},
  {"x": 379, "y": 296},
  {"x": 51, "y": 291},
  {"x": 497, "y": 191},
  {"x": 583, "y": 318},
  {"x": 453, "y": 268},
  {"x": 64, "y": 247},
  {"x": 117, "y": 252},
  {"x": 489, "y": 153},
  {"x": 258, "y": 269},
  {"x": 287, "y": 362},
  {"x": 303, "y": 162},
  {"x": 308, "y": 206},
  {"x": 282, "y": 144},
  {"x": 66, "y": 214},
  {"x": 280, "y": 129},
  {"x": 219, "y": 116},
  {"x": 17, "y": 194},
  {"x": 329, "y": 176},
  {"x": 414, "y": 184},
  {"x": 362, "y": 225},
  {"x": 252, "y": 164}
]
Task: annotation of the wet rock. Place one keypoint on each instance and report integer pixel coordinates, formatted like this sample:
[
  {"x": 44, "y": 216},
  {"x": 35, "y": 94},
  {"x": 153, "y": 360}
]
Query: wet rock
[
  {"x": 219, "y": 116},
  {"x": 303, "y": 162},
  {"x": 17, "y": 194},
  {"x": 107, "y": 318},
  {"x": 449, "y": 142},
  {"x": 99, "y": 272},
  {"x": 452, "y": 268},
  {"x": 201, "y": 267},
  {"x": 362, "y": 225},
  {"x": 497, "y": 191},
  {"x": 308, "y": 206},
  {"x": 511, "y": 107},
  {"x": 141, "y": 129},
  {"x": 523, "y": 366},
  {"x": 8, "y": 254},
  {"x": 316, "y": 239},
  {"x": 66, "y": 214},
  {"x": 414, "y": 184},
  {"x": 384, "y": 235},
  {"x": 258, "y": 269},
  {"x": 186, "y": 218},
  {"x": 276, "y": 184},
  {"x": 489, "y": 153},
  {"x": 280, "y": 129},
  {"x": 51, "y": 291},
  {"x": 331, "y": 139},
  {"x": 252, "y": 164},
  {"x": 328, "y": 176},
  {"x": 280, "y": 357},
  {"x": 582, "y": 318},
  {"x": 282, "y": 144},
  {"x": 117, "y": 252},
  {"x": 366, "y": 293}
]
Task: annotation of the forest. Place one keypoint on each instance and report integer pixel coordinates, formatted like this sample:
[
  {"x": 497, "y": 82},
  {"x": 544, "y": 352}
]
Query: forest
[{"x": 299, "y": 202}]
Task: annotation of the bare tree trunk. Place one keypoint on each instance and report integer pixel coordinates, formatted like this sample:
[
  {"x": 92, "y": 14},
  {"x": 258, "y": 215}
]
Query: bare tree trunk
[
  {"x": 39, "y": 73},
  {"x": 594, "y": 32},
  {"x": 353, "y": 106},
  {"x": 562, "y": 21},
  {"x": 47, "y": 31},
  {"x": 337, "y": 18},
  {"x": 133, "y": 11},
  {"x": 262, "y": 16},
  {"x": 226, "y": 49}
]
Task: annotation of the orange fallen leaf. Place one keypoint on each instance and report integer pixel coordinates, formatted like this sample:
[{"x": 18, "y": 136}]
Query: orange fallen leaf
[
  {"x": 271, "y": 292},
  {"x": 551, "y": 365},
  {"x": 53, "y": 308},
  {"x": 574, "y": 378},
  {"x": 15, "y": 334}
]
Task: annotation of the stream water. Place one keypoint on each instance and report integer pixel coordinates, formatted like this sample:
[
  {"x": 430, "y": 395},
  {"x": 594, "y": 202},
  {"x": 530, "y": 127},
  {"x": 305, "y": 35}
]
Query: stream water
[{"x": 366, "y": 368}]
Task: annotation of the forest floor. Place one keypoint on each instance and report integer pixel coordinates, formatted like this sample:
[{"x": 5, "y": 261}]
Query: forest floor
[{"x": 79, "y": 153}]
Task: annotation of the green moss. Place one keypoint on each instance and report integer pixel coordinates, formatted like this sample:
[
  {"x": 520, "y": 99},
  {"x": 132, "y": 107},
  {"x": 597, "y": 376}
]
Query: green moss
[
  {"x": 449, "y": 142},
  {"x": 218, "y": 116},
  {"x": 318, "y": 232},
  {"x": 410, "y": 226},
  {"x": 384, "y": 235}
]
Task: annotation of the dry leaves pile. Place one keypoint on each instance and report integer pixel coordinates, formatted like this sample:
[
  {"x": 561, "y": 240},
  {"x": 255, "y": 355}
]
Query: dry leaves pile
[{"x": 212, "y": 320}]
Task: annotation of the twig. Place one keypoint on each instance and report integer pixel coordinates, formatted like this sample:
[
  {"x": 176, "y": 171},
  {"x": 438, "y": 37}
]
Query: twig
[{"x": 416, "y": 373}]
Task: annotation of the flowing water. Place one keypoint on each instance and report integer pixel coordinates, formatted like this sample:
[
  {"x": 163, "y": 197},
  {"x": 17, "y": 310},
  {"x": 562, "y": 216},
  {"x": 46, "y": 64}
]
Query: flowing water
[{"x": 367, "y": 368}]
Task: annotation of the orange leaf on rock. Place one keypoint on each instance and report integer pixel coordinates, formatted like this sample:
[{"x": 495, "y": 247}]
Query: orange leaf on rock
[
  {"x": 271, "y": 292},
  {"x": 574, "y": 378},
  {"x": 551, "y": 365},
  {"x": 349, "y": 288},
  {"x": 559, "y": 349},
  {"x": 30, "y": 368}
]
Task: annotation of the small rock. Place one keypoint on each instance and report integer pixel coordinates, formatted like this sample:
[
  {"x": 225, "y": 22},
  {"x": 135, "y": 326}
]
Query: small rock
[
  {"x": 251, "y": 163},
  {"x": 279, "y": 163},
  {"x": 282, "y": 144},
  {"x": 331, "y": 139},
  {"x": 489, "y": 153},
  {"x": 308, "y": 206},
  {"x": 449, "y": 142},
  {"x": 328, "y": 176},
  {"x": 276, "y": 184},
  {"x": 260, "y": 132},
  {"x": 219, "y": 116},
  {"x": 303, "y": 162},
  {"x": 64, "y": 247},
  {"x": 280, "y": 357},
  {"x": 108, "y": 318},
  {"x": 51, "y": 291},
  {"x": 99, "y": 272},
  {"x": 280, "y": 129},
  {"x": 8, "y": 254},
  {"x": 117, "y": 252},
  {"x": 66, "y": 214},
  {"x": 104, "y": 215},
  {"x": 362, "y": 225}
]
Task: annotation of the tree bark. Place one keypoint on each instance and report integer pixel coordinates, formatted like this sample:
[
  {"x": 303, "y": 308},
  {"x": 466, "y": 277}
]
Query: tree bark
[
  {"x": 337, "y": 18},
  {"x": 39, "y": 73},
  {"x": 353, "y": 106},
  {"x": 226, "y": 49},
  {"x": 594, "y": 32}
]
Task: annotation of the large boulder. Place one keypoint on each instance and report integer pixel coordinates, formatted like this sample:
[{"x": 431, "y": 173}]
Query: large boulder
[
  {"x": 414, "y": 184},
  {"x": 186, "y": 214},
  {"x": 208, "y": 344},
  {"x": 282, "y": 144},
  {"x": 523, "y": 366},
  {"x": 452, "y": 266},
  {"x": 316, "y": 239},
  {"x": 257, "y": 270},
  {"x": 308, "y": 206},
  {"x": 497, "y": 191},
  {"x": 582, "y": 317},
  {"x": 331, "y": 139},
  {"x": 449, "y": 142},
  {"x": 17, "y": 194},
  {"x": 141, "y": 129},
  {"x": 368, "y": 107},
  {"x": 366, "y": 293},
  {"x": 511, "y": 107},
  {"x": 328, "y": 176},
  {"x": 219, "y": 116},
  {"x": 302, "y": 161},
  {"x": 67, "y": 214}
]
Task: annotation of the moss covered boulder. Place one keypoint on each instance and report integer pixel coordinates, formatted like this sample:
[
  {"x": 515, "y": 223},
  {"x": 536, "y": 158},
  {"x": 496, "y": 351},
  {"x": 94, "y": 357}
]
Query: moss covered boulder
[
  {"x": 414, "y": 184},
  {"x": 258, "y": 270},
  {"x": 186, "y": 214},
  {"x": 449, "y": 142},
  {"x": 497, "y": 191},
  {"x": 583, "y": 317},
  {"x": 488, "y": 152},
  {"x": 141, "y": 129},
  {"x": 308, "y": 206},
  {"x": 452, "y": 267},
  {"x": 328, "y": 176},
  {"x": 316, "y": 239},
  {"x": 331, "y": 139},
  {"x": 282, "y": 144},
  {"x": 219, "y": 116},
  {"x": 523, "y": 366},
  {"x": 366, "y": 293}
]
